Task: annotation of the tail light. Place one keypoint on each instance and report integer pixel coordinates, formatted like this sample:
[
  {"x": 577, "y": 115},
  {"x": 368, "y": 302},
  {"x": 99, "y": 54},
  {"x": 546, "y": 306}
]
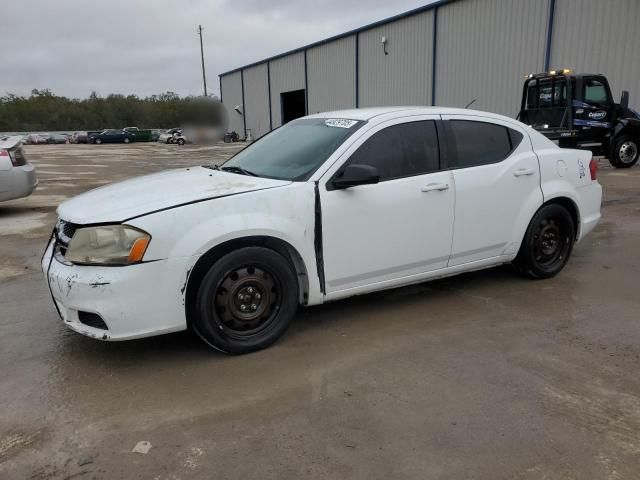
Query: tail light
[{"x": 593, "y": 169}]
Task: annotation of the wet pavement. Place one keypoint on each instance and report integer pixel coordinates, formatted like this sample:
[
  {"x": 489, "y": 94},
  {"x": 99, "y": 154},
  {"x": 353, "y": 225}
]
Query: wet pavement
[{"x": 484, "y": 375}]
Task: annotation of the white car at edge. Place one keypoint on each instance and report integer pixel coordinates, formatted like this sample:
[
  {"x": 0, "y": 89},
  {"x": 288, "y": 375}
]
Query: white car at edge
[
  {"x": 326, "y": 207},
  {"x": 17, "y": 176}
]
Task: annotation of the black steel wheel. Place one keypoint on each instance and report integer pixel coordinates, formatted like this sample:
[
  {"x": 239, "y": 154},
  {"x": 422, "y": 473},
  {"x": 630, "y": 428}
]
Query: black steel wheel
[
  {"x": 246, "y": 300},
  {"x": 548, "y": 243},
  {"x": 626, "y": 152},
  {"x": 181, "y": 141}
]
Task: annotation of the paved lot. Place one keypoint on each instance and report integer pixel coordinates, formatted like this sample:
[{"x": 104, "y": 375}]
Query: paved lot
[{"x": 483, "y": 376}]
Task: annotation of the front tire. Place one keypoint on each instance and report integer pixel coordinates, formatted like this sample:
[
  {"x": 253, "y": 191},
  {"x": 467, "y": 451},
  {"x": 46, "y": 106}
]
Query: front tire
[
  {"x": 98, "y": 141},
  {"x": 246, "y": 300},
  {"x": 625, "y": 152},
  {"x": 181, "y": 141},
  {"x": 547, "y": 244},
  {"x": 126, "y": 140}
]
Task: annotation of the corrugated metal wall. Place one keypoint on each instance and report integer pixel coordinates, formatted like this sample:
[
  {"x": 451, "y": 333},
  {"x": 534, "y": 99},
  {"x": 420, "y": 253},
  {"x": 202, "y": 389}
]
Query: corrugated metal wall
[
  {"x": 256, "y": 100},
  {"x": 596, "y": 36},
  {"x": 232, "y": 96},
  {"x": 485, "y": 47},
  {"x": 331, "y": 75},
  {"x": 287, "y": 73},
  {"x": 403, "y": 77}
]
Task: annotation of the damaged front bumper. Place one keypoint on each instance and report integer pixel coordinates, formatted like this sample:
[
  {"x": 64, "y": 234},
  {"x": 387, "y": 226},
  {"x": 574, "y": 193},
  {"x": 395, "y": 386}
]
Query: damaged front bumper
[{"x": 132, "y": 302}]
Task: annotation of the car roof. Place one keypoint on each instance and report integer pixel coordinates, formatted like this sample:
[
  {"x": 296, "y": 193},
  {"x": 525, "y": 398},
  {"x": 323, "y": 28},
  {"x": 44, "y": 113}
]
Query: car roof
[{"x": 367, "y": 114}]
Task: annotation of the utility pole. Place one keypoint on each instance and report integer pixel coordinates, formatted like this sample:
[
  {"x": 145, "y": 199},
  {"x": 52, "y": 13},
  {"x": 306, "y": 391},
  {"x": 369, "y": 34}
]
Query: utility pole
[{"x": 204, "y": 78}]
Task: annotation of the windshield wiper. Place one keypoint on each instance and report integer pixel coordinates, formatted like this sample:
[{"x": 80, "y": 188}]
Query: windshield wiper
[
  {"x": 212, "y": 167},
  {"x": 240, "y": 170}
]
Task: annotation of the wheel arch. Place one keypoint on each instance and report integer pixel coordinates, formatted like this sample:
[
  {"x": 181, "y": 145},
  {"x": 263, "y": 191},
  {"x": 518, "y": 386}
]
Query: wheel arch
[
  {"x": 207, "y": 259},
  {"x": 567, "y": 203}
]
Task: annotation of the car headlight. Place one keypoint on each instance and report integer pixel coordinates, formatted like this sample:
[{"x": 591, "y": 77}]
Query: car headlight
[{"x": 107, "y": 245}]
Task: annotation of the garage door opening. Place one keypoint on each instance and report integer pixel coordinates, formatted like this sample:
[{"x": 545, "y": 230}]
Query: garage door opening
[{"x": 293, "y": 105}]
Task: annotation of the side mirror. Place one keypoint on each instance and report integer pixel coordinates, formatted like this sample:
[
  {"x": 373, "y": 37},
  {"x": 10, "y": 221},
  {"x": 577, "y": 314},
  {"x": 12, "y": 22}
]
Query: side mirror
[
  {"x": 356, "y": 175},
  {"x": 624, "y": 99}
]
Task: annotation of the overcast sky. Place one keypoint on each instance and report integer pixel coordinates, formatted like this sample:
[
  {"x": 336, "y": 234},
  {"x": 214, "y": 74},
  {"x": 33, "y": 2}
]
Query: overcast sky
[{"x": 150, "y": 46}]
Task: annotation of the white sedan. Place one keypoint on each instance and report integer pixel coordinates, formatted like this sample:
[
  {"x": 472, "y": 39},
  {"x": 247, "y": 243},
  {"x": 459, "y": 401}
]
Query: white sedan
[
  {"x": 326, "y": 207},
  {"x": 17, "y": 176}
]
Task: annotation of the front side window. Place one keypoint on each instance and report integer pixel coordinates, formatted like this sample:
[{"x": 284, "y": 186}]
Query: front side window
[
  {"x": 595, "y": 92},
  {"x": 402, "y": 150},
  {"x": 480, "y": 143},
  {"x": 295, "y": 150}
]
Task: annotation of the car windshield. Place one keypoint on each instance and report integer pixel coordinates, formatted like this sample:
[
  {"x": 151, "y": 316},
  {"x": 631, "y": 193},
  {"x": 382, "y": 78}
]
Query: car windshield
[{"x": 295, "y": 150}]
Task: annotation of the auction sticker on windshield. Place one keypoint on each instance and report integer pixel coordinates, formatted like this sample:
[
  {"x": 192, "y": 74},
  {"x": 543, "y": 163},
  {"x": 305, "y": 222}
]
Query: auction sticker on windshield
[{"x": 340, "y": 122}]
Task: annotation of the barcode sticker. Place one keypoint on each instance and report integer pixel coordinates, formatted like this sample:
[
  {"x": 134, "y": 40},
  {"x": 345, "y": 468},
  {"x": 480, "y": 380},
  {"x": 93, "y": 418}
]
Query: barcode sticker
[{"x": 340, "y": 122}]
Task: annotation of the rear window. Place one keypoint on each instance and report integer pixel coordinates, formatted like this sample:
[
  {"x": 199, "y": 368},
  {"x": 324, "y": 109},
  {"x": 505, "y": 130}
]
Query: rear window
[
  {"x": 548, "y": 93},
  {"x": 480, "y": 143}
]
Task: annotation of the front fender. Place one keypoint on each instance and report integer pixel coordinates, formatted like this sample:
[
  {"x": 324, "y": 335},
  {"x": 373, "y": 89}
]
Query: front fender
[
  {"x": 190, "y": 231},
  {"x": 628, "y": 127}
]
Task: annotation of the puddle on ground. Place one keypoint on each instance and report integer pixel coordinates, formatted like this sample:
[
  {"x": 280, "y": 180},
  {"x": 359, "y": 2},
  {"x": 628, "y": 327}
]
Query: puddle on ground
[
  {"x": 11, "y": 271},
  {"x": 17, "y": 222}
]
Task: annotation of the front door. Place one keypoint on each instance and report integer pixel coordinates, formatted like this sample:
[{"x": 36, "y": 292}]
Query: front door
[{"x": 399, "y": 227}]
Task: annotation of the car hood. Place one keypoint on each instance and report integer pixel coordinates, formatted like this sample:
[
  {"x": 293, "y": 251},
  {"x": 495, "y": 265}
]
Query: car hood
[{"x": 160, "y": 191}]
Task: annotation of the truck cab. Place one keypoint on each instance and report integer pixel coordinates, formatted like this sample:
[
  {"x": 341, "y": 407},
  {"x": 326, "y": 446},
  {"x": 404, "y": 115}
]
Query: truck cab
[{"x": 578, "y": 111}]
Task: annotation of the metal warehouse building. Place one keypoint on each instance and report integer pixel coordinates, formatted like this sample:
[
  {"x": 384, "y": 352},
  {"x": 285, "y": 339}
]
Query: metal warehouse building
[{"x": 446, "y": 53}]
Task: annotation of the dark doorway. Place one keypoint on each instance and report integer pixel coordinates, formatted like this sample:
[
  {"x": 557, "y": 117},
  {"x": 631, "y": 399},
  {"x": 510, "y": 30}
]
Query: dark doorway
[{"x": 293, "y": 105}]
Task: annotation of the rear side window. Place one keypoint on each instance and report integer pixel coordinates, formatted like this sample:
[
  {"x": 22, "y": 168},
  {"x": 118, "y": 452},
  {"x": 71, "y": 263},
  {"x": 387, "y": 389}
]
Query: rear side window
[
  {"x": 480, "y": 143},
  {"x": 402, "y": 150}
]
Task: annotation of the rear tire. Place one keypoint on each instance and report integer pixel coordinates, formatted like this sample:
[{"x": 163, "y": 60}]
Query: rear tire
[
  {"x": 625, "y": 152},
  {"x": 181, "y": 141},
  {"x": 126, "y": 140},
  {"x": 246, "y": 300},
  {"x": 547, "y": 244}
]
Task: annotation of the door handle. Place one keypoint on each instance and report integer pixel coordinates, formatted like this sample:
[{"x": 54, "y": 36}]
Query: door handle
[
  {"x": 435, "y": 186},
  {"x": 523, "y": 171}
]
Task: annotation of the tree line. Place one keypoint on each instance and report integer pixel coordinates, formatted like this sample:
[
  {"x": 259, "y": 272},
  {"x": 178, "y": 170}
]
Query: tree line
[{"x": 45, "y": 111}]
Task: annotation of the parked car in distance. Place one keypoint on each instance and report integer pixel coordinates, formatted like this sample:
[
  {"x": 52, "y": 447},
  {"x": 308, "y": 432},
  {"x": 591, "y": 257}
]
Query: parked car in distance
[
  {"x": 35, "y": 139},
  {"x": 79, "y": 137},
  {"x": 167, "y": 135},
  {"x": 57, "y": 138},
  {"x": 140, "y": 135},
  {"x": 155, "y": 134},
  {"x": 326, "y": 207},
  {"x": 111, "y": 136},
  {"x": 17, "y": 176},
  {"x": 180, "y": 138}
]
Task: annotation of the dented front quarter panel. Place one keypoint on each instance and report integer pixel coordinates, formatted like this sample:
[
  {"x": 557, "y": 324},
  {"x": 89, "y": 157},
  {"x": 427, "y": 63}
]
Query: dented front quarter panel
[{"x": 185, "y": 233}]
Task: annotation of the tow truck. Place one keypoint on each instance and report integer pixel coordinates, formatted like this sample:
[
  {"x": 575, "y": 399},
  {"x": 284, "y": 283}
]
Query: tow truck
[{"x": 578, "y": 111}]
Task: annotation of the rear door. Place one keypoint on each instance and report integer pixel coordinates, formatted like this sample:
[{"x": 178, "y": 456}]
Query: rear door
[{"x": 497, "y": 182}]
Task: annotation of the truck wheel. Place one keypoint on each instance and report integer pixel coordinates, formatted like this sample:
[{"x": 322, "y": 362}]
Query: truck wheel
[
  {"x": 181, "y": 141},
  {"x": 625, "y": 152},
  {"x": 547, "y": 244},
  {"x": 126, "y": 140},
  {"x": 98, "y": 141},
  {"x": 246, "y": 300}
]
